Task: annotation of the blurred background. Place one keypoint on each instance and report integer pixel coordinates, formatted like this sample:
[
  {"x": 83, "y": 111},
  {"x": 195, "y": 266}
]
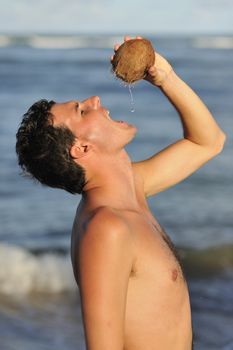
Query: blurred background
[{"x": 60, "y": 50}]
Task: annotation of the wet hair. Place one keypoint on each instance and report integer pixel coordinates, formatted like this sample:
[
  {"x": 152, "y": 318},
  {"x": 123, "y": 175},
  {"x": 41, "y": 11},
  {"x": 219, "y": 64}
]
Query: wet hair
[{"x": 43, "y": 150}]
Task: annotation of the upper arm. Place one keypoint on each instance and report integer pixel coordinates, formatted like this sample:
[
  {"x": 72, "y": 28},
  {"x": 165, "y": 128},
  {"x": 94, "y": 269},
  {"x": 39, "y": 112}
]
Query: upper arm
[
  {"x": 105, "y": 261},
  {"x": 172, "y": 165}
]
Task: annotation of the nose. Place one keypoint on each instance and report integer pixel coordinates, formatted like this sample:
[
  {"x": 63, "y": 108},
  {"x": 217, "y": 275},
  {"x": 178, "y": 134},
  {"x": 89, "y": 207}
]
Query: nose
[{"x": 93, "y": 102}]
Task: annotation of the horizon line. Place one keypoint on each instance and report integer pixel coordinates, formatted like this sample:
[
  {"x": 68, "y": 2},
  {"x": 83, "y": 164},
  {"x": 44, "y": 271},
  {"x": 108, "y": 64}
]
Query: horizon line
[{"x": 149, "y": 33}]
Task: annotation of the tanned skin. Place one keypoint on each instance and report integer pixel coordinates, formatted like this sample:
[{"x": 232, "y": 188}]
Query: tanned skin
[{"x": 133, "y": 292}]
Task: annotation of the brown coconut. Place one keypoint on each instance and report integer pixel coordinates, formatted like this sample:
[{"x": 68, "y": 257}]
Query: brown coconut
[{"x": 132, "y": 60}]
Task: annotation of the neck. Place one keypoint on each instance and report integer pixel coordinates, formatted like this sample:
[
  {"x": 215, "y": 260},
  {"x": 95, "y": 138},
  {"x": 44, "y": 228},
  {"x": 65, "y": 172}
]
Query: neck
[{"x": 112, "y": 183}]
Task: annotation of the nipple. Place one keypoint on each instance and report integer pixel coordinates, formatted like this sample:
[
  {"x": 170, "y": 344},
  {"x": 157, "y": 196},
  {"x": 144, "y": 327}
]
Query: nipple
[{"x": 174, "y": 275}]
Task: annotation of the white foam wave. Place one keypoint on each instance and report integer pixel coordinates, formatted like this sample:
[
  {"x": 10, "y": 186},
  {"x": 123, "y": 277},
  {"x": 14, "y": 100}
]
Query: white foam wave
[
  {"x": 22, "y": 272},
  {"x": 70, "y": 42},
  {"x": 220, "y": 42},
  {"x": 4, "y": 40},
  {"x": 50, "y": 42}
]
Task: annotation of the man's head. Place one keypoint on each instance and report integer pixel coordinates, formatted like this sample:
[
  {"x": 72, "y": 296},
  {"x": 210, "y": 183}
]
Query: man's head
[
  {"x": 55, "y": 140},
  {"x": 43, "y": 150},
  {"x": 92, "y": 126}
]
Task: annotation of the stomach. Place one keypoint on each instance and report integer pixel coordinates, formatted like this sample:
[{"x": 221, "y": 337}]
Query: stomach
[{"x": 157, "y": 317}]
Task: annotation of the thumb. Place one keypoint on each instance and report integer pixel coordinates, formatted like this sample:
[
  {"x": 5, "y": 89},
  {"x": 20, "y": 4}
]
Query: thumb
[{"x": 152, "y": 70}]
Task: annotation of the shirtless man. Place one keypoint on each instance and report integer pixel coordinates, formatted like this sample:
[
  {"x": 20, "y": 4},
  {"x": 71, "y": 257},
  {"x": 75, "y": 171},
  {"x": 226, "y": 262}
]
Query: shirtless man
[{"x": 133, "y": 292}]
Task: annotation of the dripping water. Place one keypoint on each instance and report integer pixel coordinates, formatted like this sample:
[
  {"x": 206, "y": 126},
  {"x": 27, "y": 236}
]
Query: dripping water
[{"x": 132, "y": 109}]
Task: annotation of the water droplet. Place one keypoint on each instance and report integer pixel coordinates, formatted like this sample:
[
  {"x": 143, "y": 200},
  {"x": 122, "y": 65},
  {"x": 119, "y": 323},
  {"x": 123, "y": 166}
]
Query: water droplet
[{"x": 132, "y": 109}]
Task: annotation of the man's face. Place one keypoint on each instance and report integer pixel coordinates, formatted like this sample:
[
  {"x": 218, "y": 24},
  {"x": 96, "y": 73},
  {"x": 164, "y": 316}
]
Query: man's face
[{"x": 90, "y": 121}]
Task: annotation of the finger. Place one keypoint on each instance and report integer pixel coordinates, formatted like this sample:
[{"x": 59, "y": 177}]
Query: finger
[
  {"x": 126, "y": 38},
  {"x": 152, "y": 70},
  {"x": 116, "y": 47}
]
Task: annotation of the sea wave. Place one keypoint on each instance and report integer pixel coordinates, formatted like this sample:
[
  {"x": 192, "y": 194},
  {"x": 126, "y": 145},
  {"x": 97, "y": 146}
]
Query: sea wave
[
  {"x": 60, "y": 41},
  {"x": 24, "y": 272},
  {"x": 43, "y": 41},
  {"x": 64, "y": 42},
  {"x": 205, "y": 263},
  {"x": 4, "y": 41},
  {"x": 219, "y": 42}
]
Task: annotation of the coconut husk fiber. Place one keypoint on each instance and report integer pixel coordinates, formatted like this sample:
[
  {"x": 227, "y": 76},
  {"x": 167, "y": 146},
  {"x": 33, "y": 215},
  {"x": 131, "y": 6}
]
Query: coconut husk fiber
[{"x": 132, "y": 60}]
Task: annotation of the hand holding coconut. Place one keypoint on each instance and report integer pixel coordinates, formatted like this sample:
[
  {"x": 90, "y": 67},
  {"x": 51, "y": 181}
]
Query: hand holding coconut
[
  {"x": 158, "y": 73},
  {"x": 135, "y": 59}
]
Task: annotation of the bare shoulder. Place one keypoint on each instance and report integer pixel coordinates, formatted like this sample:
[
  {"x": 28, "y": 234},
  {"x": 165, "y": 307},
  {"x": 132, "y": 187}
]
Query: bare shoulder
[
  {"x": 103, "y": 267},
  {"x": 107, "y": 223},
  {"x": 107, "y": 242},
  {"x": 106, "y": 237}
]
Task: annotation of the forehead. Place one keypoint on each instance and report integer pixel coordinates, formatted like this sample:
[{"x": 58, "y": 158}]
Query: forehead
[{"x": 62, "y": 112}]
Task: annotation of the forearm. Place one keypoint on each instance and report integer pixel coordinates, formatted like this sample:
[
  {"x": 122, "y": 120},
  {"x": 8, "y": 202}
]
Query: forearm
[{"x": 198, "y": 123}]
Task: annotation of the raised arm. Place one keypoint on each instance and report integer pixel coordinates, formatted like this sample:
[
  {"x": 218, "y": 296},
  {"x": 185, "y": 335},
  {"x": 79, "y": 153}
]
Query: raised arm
[
  {"x": 202, "y": 137},
  {"x": 105, "y": 260}
]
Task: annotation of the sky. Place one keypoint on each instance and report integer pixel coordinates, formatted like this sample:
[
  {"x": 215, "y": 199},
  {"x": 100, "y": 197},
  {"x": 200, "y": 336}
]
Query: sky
[{"x": 117, "y": 16}]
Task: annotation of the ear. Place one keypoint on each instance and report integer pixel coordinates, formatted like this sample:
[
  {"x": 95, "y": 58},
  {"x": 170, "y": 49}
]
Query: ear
[{"x": 80, "y": 149}]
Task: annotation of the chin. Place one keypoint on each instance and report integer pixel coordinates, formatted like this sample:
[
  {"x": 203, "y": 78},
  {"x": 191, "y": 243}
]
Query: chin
[
  {"x": 132, "y": 134},
  {"x": 135, "y": 130}
]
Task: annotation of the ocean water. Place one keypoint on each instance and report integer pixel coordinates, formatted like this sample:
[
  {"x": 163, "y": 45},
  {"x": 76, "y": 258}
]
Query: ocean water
[{"x": 39, "y": 302}]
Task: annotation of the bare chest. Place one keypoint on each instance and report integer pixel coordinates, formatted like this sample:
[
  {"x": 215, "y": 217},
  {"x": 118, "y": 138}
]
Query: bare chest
[
  {"x": 156, "y": 258},
  {"x": 157, "y": 307}
]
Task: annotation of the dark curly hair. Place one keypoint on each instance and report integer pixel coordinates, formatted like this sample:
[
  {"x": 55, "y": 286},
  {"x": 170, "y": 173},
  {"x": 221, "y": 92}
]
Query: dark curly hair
[{"x": 43, "y": 150}]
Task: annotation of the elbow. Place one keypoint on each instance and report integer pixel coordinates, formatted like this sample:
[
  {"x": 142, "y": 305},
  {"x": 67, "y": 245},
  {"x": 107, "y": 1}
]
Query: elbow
[{"x": 219, "y": 144}]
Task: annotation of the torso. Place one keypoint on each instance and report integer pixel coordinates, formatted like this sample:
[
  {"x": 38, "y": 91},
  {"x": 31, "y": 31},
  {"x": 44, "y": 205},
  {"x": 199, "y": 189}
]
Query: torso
[{"x": 158, "y": 313}]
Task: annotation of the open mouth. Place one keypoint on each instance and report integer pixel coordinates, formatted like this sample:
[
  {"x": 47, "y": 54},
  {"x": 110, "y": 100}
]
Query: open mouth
[{"x": 116, "y": 121}]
